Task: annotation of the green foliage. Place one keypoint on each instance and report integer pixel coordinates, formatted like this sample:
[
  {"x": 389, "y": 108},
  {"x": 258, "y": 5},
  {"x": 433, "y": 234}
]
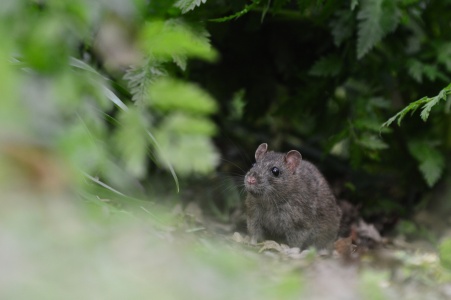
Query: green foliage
[
  {"x": 237, "y": 105},
  {"x": 166, "y": 39},
  {"x": 425, "y": 103},
  {"x": 342, "y": 26},
  {"x": 186, "y": 148},
  {"x": 327, "y": 66},
  {"x": 417, "y": 70},
  {"x": 376, "y": 18},
  {"x": 59, "y": 94},
  {"x": 445, "y": 253},
  {"x": 372, "y": 142},
  {"x": 444, "y": 55},
  {"x": 187, "y": 5},
  {"x": 184, "y": 134},
  {"x": 132, "y": 140},
  {"x": 140, "y": 77},
  {"x": 238, "y": 14},
  {"x": 180, "y": 139},
  {"x": 431, "y": 161},
  {"x": 354, "y": 4},
  {"x": 412, "y": 230},
  {"x": 168, "y": 95}
]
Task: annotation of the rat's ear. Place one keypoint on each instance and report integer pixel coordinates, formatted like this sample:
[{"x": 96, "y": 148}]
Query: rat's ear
[
  {"x": 261, "y": 150},
  {"x": 293, "y": 159}
]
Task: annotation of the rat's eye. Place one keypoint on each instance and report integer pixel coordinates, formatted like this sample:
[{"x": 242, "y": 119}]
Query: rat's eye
[
  {"x": 275, "y": 171},
  {"x": 253, "y": 165}
]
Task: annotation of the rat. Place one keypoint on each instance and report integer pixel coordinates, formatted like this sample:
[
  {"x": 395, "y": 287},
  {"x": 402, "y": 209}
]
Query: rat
[{"x": 290, "y": 201}]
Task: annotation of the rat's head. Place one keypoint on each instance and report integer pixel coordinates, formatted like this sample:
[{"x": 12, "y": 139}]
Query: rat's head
[{"x": 271, "y": 172}]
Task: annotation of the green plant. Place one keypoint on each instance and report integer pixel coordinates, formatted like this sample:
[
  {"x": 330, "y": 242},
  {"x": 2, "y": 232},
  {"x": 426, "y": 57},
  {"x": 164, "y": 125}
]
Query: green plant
[
  {"x": 425, "y": 103},
  {"x": 62, "y": 88},
  {"x": 431, "y": 161}
]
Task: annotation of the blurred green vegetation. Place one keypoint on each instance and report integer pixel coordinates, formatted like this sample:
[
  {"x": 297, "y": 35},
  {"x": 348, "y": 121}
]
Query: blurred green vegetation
[{"x": 108, "y": 108}]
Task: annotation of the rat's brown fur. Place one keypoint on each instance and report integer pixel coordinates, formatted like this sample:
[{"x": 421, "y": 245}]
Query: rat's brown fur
[{"x": 296, "y": 207}]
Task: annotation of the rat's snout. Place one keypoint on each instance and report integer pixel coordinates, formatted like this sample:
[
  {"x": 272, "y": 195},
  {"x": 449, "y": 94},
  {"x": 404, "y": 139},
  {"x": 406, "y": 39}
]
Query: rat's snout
[{"x": 251, "y": 180}]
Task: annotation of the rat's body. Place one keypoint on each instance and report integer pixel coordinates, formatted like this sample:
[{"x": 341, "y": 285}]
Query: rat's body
[{"x": 288, "y": 200}]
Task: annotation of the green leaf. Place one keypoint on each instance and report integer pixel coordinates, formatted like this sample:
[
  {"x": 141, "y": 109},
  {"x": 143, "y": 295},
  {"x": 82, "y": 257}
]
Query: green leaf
[
  {"x": 47, "y": 49},
  {"x": 187, "y": 5},
  {"x": 444, "y": 55},
  {"x": 342, "y": 26},
  {"x": 327, "y": 66},
  {"x": 432, "y": 169},
  {"x": 415, "y": 69},
  {"x": 180, "y": 123},
  {"x": 131, "y": 140},
  {"x": 163, "y": 159},
  {"x": 163, "y": 40},
  {"x": 412, "y": 107},
  {"x": 372, "y": 142},
  {"x": 376, "y": 19},
  {"x": 170, "y": 94},
  {"x": 370, "y": 31},
  {"x": 354, "y": 4},
  {"x": 180, "y": 61},
  {"x": 81, "y": 147},
  {"x": 427, "y": 104},
  {"x": 237, "y": 105},
  {"x": 431, "y": 102},
  {"x": 379, "y": 102},
  {"x": 188, "y": 153},
  {"x": 432, "y": 72},
  {"x": 431, "y": 162},
  {"x": 141, "y": 77}
]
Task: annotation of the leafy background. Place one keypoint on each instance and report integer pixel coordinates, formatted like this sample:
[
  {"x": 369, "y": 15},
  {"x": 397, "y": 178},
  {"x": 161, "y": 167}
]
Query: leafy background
[{"x": 126, "y": 128}]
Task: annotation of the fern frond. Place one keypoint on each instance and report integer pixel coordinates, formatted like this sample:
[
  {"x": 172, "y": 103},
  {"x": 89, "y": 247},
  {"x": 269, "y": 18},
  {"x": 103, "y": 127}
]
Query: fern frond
[
  {"x": 432, "y": 72},
  {"x": 342, "y": 26},
  {"x": 426, "y": 103},
  {"x": 370, "y": 31},
  {"x": 431, "y": 102},
  {"x": 236, "y": 15},
  {"x": 164, "y": 39},
  {"x": 187, "y": 5},
  {"x": 327, "y": 66},
  {"x": 431, "y": 162},
  {"x": 197, "y": 30},
  {"x": 170, "y": 95},
  {"x": 412, "y": 107},
  {"x": 372, "y": 142},
  {"x": 141, "y": 77},
  {"x": 377, "y": 18},
  {"x": 415, "y": 69}
]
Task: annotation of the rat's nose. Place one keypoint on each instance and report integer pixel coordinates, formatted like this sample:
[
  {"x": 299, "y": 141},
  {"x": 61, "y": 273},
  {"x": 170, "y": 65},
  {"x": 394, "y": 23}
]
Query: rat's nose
[{"x": 251, "y": 180}]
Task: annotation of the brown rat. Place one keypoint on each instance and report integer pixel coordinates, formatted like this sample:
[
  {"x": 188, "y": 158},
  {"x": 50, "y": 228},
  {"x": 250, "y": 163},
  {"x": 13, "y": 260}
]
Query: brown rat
[{"x": 289, "y": 200}]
